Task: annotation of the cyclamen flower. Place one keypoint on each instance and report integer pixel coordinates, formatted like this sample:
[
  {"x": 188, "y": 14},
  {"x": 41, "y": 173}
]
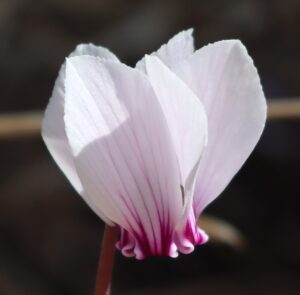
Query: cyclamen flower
[{"x": 148, "y": 148}]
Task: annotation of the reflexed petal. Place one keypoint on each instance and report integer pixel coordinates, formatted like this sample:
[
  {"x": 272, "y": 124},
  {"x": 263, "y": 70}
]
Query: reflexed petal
[
  {"x": 53, "y": 132},
  {"x": 53, "y": 127},
  {"x": 124, "y": 152},
  {"x": 223, "y": 76},
  {"x": 178, "y": 48},
  {"x": 92, "y": 50},
  {"x": 186, "y": 120}
]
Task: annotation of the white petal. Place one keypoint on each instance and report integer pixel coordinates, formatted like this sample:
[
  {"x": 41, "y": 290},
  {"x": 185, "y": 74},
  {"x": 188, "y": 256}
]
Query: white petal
[
  {"x": 223, "y": 76},
  {"x": 92, "y": 50},
  {"x": 53, "y": 127},
  {"x": 123, "y": 149},
  {"x": 186, "y": 120},
  {"x": 53, "y": 132},
  {"x": 178, "y": 48}
]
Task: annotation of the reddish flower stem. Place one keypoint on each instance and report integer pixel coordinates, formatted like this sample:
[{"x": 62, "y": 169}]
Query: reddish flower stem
[{"x": 106, "y": 261}]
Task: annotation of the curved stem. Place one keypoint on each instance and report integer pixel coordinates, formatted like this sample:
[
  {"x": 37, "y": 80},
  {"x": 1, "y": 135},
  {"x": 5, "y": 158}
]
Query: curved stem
[{"x": 106, "y": 261}]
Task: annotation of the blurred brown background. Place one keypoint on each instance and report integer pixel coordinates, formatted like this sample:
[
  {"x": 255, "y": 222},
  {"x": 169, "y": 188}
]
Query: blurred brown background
[{"x": 49, "y": 238}]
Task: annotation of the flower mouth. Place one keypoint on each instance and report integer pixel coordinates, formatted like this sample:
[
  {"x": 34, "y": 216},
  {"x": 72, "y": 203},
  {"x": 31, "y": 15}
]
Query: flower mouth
[{"x": 181, "y": 240}]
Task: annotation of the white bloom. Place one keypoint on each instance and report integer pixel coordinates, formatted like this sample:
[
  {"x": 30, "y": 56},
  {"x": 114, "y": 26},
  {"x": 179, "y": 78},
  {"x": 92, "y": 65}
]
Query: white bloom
[{"x": 148, "y": 148}]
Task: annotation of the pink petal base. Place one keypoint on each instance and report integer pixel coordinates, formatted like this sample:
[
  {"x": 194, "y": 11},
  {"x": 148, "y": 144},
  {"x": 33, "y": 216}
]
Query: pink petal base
[{"x": 183, "y": 241}]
